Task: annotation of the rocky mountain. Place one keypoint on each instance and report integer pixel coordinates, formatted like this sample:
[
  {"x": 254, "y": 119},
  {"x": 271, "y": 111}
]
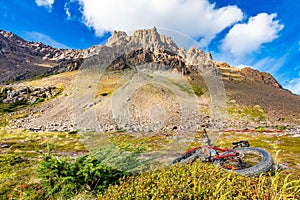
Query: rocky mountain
[
  {"x": 20, "y": 59},
  {"x": 253, "y": 98}
]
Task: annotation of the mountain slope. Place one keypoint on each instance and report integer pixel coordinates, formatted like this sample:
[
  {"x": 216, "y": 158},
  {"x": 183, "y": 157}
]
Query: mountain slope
[
  {"x": 249, "y": 87},
  {"x": 253, "y": 98}
]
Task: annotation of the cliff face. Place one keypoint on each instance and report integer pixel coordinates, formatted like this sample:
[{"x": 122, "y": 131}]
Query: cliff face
[
  {"x": 148, "y": 46},
  {"x": 146, "y": 39}
]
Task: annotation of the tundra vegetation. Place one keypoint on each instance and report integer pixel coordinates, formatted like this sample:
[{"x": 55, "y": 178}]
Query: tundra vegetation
[{"x": 58, "y": 166}]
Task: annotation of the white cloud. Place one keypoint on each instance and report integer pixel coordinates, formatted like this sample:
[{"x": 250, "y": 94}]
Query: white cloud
[
  {"x": 45, "y": 3},
  {"x": 45, "y": 39},
  {"x": 193, "y": 17},
  {"x": 242, "y": 66},
  {"x": 73, "y": 10},
  {"x": 294, "y": 85},
  {"x": 271, "y": 64},
  {"x": 67, "y": 10},
  {"x": 245, "y": 38}
]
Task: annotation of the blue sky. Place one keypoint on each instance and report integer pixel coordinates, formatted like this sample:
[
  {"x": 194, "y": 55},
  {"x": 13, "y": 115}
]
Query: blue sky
[{"x": 261, "y": 34}]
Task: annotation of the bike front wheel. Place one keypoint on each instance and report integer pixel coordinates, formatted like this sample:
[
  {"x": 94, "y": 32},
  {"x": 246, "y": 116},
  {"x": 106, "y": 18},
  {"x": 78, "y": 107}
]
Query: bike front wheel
[
  {"x": 188, "y": 157},
  {"x": 250, "y": 162}
]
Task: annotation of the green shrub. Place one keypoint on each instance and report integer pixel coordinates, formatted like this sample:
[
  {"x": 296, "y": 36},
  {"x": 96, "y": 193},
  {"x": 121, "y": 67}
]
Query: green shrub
[
  {"x": 40, "y": 100},
  {"x": 260, "y": 129},
  {"x": 7, "y": 108},
  {"x": 281, "y": 128},
  {"x": 121, "y": 131},
  {"x": 73, "y": 132},
  {"x": 3, "y": 121},
  {"x": 198, "y": 90},
  {"x": 12, "y": 107},
  {"x": 63, "y": 177}
]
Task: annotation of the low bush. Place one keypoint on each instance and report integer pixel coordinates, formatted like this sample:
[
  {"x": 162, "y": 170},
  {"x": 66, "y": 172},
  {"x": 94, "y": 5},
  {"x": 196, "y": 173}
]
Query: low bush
[
  {"x": 198, "y": 90},
  {"x": 63, "y": 177},
  {"x": 281, "y": 128},
  {"x": 12, "y": 107},
  {"x": 260, "y": 129}
]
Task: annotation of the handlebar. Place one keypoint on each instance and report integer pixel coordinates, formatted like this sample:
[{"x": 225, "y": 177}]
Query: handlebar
[{"x": 242, "y": 143}]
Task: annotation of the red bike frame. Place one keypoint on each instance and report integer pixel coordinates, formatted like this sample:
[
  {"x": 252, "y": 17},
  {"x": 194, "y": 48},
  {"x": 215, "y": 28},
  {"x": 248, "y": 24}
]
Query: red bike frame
[{"x": 232, "y": 153}]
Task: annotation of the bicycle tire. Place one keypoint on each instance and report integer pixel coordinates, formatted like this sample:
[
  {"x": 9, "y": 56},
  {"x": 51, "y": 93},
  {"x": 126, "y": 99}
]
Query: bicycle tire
[
  {"x": 265, "y": 165},
  {"x": 190, "y": 157}
]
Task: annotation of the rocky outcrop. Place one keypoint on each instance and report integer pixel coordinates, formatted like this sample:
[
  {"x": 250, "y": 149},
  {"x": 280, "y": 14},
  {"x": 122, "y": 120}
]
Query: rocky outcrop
[
  {"x": 146, "y": 39},
  {"x": 28, "y": 95},
  {"x": 148, "y": 46},
  {"x": 262, "y": 77},
  {"x": 247, "y": 73}
]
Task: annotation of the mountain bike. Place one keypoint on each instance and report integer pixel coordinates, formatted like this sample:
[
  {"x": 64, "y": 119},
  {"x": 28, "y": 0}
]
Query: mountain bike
[{"x": 241, "y": 158}]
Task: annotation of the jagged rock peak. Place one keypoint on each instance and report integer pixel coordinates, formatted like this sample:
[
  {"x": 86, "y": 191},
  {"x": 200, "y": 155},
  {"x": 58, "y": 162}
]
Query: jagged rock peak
[
  {"x": 147, "y": 38},
  {"x": 8, "y": 34}
]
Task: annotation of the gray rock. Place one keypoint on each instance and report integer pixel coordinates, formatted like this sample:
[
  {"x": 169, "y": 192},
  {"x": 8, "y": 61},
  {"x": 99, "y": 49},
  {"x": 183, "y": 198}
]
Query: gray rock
[{"x": 29, "y": 94}]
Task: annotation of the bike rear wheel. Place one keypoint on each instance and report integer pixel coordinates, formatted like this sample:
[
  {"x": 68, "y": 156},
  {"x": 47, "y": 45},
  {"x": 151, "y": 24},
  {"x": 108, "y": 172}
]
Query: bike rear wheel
[{"x": 251, "y": 162}]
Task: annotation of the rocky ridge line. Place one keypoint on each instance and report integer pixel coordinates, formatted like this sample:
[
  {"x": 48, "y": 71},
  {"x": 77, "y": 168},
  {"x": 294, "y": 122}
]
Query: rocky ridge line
[
  {"x": 20, "y": 59},
  {"x": 148, "y": 46}
]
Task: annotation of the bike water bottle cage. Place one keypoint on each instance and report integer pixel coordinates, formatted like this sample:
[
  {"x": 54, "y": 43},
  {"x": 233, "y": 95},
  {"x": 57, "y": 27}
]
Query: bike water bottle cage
[{"x": 242, "y": 143}]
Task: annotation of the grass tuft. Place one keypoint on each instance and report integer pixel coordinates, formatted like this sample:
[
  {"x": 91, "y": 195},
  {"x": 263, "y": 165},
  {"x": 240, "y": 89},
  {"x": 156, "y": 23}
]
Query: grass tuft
[{"x": 202, "y": 181}]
